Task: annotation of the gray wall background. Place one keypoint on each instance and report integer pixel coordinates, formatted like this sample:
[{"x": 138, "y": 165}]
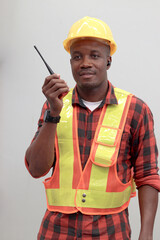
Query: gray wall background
[{"x": 135, "y": 68}]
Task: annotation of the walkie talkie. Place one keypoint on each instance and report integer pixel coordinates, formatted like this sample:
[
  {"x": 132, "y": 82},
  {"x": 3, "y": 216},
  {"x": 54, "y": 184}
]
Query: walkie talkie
[{"x": 48, "y": 67}]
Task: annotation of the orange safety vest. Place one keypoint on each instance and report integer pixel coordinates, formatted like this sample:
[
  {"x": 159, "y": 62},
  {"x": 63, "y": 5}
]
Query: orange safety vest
[{"x": 95, "y": 190}]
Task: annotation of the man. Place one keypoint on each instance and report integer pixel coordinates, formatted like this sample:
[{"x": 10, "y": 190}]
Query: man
[{"x": 97, "y": 138}]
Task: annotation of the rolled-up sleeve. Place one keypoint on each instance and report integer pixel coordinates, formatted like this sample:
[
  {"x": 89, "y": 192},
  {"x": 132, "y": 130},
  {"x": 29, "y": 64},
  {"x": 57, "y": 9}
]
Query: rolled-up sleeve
[{"x": 145, "y": 152}]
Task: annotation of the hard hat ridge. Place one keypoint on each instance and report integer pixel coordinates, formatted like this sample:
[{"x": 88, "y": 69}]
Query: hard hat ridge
[{"x": 89, "y": 27}]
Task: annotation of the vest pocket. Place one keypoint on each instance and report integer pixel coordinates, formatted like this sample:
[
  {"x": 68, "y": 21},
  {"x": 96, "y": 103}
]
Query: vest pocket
[
  {"x": 106, "y": 146},
  {"x": 107, "y": 136}
]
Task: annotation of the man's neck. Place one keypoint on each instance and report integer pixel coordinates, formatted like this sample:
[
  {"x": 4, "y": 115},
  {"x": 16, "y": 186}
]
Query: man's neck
[{"x": 93, "y": 95}]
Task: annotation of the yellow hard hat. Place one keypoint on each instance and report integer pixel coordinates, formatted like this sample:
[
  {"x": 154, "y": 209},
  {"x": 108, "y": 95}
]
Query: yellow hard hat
[{"x": 89, "y": 27}]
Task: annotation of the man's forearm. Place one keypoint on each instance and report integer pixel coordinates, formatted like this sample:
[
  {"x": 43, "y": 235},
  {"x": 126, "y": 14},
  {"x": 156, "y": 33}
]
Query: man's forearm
[
  {"x": 148, "y": 202},
  {"x": 40, "y": 154}
]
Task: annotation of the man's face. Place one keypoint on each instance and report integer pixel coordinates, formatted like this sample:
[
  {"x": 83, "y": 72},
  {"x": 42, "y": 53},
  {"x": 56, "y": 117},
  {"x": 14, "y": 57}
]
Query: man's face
[{"x": 89, "y": 60}]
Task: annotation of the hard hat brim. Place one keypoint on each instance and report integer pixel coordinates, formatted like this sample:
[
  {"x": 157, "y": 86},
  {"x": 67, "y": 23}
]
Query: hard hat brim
[{"x": 67, "y": 43}]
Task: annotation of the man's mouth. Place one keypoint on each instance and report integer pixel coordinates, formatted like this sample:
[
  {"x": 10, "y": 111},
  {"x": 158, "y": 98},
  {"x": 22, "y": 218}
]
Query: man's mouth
[{"x": 86, "y": 73}]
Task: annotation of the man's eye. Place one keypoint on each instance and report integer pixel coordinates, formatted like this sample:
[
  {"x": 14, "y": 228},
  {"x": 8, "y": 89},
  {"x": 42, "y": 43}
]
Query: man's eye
[
  {"x": 95, "y": 56},
  {"x": 77, "y": 57}
]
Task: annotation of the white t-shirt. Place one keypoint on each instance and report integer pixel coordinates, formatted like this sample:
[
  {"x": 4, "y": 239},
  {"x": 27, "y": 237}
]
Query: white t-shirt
[{"x": 91, "y": 105}]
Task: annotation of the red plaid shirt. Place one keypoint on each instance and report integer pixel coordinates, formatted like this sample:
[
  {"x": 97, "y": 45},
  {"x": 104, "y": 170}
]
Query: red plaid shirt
[{"x": 138, "y": 150}]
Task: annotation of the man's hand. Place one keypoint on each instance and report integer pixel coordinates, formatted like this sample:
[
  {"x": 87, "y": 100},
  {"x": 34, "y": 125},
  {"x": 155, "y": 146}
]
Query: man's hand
[
  {"x": 54, "y": 88},
  {"x": 148, "y": 201}
]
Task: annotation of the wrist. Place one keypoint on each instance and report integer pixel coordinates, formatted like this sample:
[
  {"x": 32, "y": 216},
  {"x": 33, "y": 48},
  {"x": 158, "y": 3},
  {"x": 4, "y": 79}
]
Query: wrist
[
  {"x": 53, "y": 113},
  {"x": 144, "y": 235},
  {"x": 51, "y": 118}
]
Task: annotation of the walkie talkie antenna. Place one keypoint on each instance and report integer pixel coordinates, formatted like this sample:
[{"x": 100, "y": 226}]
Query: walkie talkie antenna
[{"x": 48, "y": 67}]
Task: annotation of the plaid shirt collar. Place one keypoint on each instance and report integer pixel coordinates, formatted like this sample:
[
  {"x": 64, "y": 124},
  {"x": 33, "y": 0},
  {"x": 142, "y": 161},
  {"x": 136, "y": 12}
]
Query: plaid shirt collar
[{"x": 110, "y": 97}]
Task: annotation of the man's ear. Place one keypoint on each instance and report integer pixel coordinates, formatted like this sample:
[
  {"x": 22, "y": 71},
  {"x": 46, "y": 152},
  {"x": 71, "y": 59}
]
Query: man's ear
[{"x": 109, "y": 61}]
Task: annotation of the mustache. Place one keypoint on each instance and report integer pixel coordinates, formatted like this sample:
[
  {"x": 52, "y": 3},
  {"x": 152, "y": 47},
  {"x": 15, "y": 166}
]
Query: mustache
[{"x": 86, "y": 71}]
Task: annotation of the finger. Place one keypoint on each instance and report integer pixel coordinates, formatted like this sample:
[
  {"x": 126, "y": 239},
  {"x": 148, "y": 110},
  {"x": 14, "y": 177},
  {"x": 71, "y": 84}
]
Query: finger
[
  {"x": 54, "y": 84},
  {"x": 59, "y": 93},
  {"x": 49, "y": 78},
  {"x": 55, "y": 90}
]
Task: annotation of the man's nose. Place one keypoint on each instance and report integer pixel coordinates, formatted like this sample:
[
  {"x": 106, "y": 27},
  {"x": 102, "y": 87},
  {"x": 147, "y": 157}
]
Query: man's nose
[{"x": 86, "y": 62}]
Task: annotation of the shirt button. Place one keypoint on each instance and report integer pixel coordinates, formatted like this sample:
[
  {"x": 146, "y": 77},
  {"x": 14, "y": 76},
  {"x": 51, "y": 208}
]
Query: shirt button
[
  {"x": 83, "y": 200},
  {"x": 84, "y": 195},
  {"x": 89, "y": 135}
]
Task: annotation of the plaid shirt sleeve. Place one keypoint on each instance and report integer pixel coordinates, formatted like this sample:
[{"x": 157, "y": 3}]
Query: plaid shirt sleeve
[{"x": 144, "y": 150}]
